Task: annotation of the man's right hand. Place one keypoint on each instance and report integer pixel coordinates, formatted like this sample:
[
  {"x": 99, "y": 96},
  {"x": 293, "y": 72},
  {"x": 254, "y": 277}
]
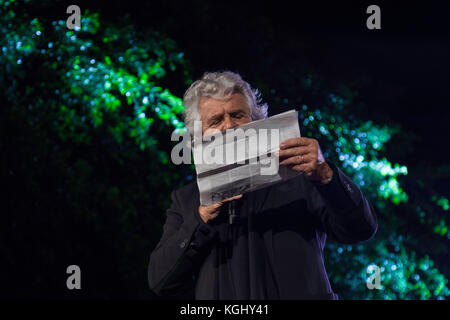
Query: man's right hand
[{"x": 210, "y": 212}]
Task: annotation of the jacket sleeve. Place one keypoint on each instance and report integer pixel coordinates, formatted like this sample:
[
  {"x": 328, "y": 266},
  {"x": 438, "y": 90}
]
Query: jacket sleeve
[
  {"x": 182, "y": 248},
  {"x": 344, "y": 213}
]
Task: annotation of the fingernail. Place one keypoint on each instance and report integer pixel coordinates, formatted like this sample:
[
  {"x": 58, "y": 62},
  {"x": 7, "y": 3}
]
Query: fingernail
[{"x": 282, "y": 145}]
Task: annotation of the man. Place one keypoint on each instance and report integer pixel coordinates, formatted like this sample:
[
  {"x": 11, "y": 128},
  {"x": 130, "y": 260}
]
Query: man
[{"x": 274, "y": 250}]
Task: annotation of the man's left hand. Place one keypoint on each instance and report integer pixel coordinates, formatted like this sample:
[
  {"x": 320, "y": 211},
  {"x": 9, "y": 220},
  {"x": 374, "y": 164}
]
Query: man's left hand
[{"x": 304, "y": 155}]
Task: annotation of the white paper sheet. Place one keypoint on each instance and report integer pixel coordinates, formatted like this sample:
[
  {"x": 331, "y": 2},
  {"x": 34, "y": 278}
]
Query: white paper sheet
[{"x": 243, "y": 159}]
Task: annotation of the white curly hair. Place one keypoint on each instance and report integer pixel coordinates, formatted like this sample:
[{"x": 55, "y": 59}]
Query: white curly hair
[{"x": 220, "y": 85}]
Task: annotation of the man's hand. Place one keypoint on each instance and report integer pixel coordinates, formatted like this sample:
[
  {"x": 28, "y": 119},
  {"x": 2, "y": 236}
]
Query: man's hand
[
  {"x": 210, "y": 212},
  {"x": 304, "y": 155}
]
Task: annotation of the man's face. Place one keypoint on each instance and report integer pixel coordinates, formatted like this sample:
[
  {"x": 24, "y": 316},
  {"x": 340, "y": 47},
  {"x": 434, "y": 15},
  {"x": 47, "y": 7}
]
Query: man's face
[{"x": 223, "y": 114}]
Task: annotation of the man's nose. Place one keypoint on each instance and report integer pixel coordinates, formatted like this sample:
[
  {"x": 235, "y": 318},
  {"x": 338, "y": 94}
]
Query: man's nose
[{"x": 228, "y": 123}]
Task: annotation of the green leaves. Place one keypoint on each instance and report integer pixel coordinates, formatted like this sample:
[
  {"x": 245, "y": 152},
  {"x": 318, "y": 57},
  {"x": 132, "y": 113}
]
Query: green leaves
[{"x": 86, "y": 122}]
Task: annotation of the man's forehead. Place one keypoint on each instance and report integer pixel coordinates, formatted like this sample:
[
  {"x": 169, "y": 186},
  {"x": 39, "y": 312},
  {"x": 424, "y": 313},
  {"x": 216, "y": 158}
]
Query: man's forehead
[
  {"x": 225, "y": 100},
  {"x": 218, "y": 106}
]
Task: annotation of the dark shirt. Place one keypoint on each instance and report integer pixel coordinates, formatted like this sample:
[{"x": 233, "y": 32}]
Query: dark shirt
[{"x": 273, "y": 249}]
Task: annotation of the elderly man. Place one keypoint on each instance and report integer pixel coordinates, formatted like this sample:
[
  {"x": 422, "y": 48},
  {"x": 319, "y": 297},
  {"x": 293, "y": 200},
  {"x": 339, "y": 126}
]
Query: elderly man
[{"x": 275, "y": 248}]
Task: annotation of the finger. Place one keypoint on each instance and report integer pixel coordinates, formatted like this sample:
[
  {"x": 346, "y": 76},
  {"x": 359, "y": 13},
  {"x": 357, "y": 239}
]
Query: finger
[
  {"x": 232, "y": 198},
  {"x": 308, "y": 173},
  {"x": 214, "y": 215},
  {"x": 217, "y": 205},
  {"x": 209, "y": 209},
  {"x": 300, "y": 167},
  {"x": 293, "y": 151},
  {"x": 294, "y": 142},
  {"x": 294, "y": 160}
]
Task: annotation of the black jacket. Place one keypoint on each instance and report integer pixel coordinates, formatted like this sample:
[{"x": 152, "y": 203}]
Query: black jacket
[{"x": 273, "y": 249}]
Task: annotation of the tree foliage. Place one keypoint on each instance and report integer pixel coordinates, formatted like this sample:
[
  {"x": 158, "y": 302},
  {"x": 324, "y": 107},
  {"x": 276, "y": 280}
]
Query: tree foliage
[{"x": 86, "y": 127}]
